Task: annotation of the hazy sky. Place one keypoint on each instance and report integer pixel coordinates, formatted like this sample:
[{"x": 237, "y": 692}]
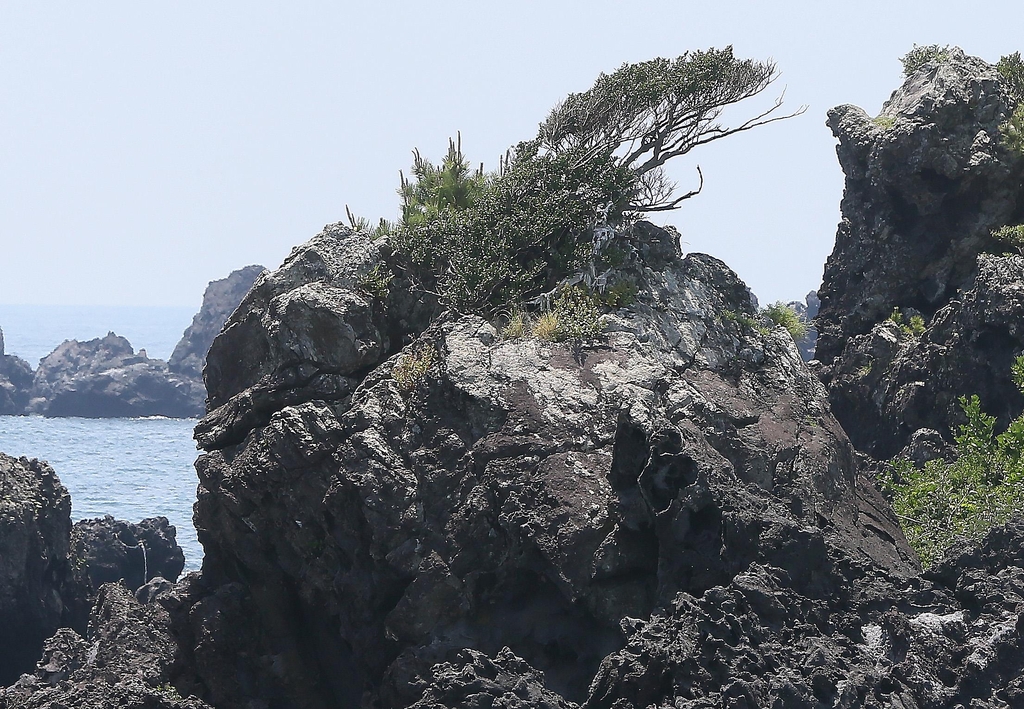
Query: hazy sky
[{"x": 147, "y": 148}]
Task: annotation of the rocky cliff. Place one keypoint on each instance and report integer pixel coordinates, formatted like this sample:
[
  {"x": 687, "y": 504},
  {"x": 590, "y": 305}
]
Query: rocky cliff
[
  {"x": 219, "y": 301},
  {"x": 927, "y": 181},
  {"x": 15, "y": 382}
]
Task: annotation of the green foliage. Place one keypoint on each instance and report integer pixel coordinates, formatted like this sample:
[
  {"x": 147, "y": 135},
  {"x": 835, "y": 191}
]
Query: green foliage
[
  {"x": 945, "y": 504},
  {"x": 913, "y": 326},
  {"x": 1012, "y": 131},
  {"x": 741, "y": 319},
  {"x": 924, "y": 54},
  {"x": 1012, "y": 236},
  {"x": 485, "y": 241},
  {"x": 412, "y": 368},
  {"x": 884, "y": 122},
  {"x": 619, "y": 294},
  {"x": 781, "y": 314},
  {"x": 1011, "y": 69},
  {"x": 377, "y": 283},
  {"x": 578, "y": 316}
]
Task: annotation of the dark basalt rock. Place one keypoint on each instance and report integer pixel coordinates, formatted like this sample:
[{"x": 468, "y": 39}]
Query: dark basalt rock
[
  {"x": 926, "y": 184},
  {"x": 124, "y": 551},
  {"x": 106, "y": 378},
  {"x": 35, "y": 526},
  {"x": 15, "y": 382},
  {"x": 524, "y": 494},
  {"x": 219, "y": 301}
]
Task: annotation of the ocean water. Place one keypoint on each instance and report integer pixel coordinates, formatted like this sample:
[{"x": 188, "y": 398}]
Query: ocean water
[
  {"x": 129, "y": 468},
  {"x": 33, "y": 331}
]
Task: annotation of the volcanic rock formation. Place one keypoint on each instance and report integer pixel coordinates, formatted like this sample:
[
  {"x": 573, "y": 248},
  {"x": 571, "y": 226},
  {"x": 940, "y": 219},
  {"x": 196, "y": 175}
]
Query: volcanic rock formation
[
  {"x": 926, "y": 183},
  {"x": 15, "y": 382}
]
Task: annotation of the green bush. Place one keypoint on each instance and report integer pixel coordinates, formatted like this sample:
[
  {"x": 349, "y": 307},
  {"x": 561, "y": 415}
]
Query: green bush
[
  {"x": 781, "y": 314},
  {"x": 1011, "y": 69},
  {"x": 1012, "y": 236},
  {"x": 1012, "y": 131},
  {"x": 924, "y": 54},
  {"x": 945, "y": 504},
  {"x": 412, "y": 368},
  {"x": 913, "y": 326}
]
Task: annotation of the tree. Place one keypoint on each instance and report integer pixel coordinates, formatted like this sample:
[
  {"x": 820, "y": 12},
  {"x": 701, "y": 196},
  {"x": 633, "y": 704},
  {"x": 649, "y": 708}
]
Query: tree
[{"x": 650, "y": 112}]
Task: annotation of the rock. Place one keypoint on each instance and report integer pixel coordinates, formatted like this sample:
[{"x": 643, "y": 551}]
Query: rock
[
  {"x": 951, "y": 637},
  {"x": 926, "y": 183},
  {"x": 113, "y": 550},
  {"x": 219, "y": 301},
  {"x": 15, "y": 385},
  {"x": 519, "y": 493},
  {"x": 35, "y": 525},
  {"x": 105, "y": 378},
  {"x": 129, "y": 659}
]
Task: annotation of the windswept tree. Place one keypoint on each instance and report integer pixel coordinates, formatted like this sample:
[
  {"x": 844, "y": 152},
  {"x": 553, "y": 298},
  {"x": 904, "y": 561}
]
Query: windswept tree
[{"x": 484, "y": 242}]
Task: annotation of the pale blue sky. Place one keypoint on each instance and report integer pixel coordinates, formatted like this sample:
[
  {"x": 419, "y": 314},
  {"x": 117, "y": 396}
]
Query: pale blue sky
[{"x": 147, "y": 148}]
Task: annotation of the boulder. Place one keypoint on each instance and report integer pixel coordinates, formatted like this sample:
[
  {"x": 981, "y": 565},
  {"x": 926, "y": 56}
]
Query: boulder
[
  {"x": 219, "y": 301},
  {"x": 35, "y": 527},
  {"x": 106, "y": 378},
  {"x": 15, "y": 385},
  {"x": 466, "y": 492},
  {"x": 132, "y": 553}
]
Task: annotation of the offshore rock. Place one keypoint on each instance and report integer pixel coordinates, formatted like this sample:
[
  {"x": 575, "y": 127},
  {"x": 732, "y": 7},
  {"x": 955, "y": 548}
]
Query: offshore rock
[
  {"x": 514, "y": 494},
  {"x": 35, "y": 525},
  {"x": 106, "y": 378},
  {"x": 128, "y": 659},
  {"x": 15, "y": 382},
  {"x": 926, "y": 183},
  {"x": 133, "y": 553},
  {"x": 219, "y": 301}
]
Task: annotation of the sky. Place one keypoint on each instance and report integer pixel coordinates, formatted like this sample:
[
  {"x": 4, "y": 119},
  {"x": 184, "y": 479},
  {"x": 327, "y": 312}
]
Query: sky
[{"x": 148, "y": 148}]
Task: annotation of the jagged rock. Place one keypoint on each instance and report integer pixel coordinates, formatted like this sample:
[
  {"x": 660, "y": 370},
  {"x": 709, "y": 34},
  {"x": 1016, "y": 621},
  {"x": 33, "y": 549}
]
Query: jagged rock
[
  {"x": 952, "y": 637},
  {"x": 129, "y": 659},
  {"x": 219, "y": 301},
  {"x": 523, "y": 493},
  {"x": 35, "y": 525},
  {"x": 105, "y": 378},
  {"x": 926, "y": 183},
  {"x": 113, "y": 550},
  {"x": 15, "y": 385}
]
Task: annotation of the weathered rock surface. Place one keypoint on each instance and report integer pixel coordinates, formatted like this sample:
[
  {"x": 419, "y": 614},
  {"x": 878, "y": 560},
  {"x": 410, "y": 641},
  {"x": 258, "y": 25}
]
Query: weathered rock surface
[
  {"x": 35, "y": 526},
  {"x": 15, "y": 382},
  {"x": 134, "y": 553},
  {"x": 129, "y": 659},
  {"x": 105, "y": 378},
  {"x": 926, "y": 183},
  {"x": 522, "y": 494},
  {"x": 219, "y": 301}
]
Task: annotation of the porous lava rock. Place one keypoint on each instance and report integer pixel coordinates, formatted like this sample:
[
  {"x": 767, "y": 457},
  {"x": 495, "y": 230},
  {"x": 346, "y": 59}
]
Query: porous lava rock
[
  {"x": 926, "y": 183},
  {"x": 375, "y": 508},
  {"x": 106, "y": 378},
  {"x": 129, "y": 659},
  {"x": 133, "y": 553},
  {"x": 35, "y": 526},
  {"x": 219, "y": 300},
  {"x": 15, "y": 382}
]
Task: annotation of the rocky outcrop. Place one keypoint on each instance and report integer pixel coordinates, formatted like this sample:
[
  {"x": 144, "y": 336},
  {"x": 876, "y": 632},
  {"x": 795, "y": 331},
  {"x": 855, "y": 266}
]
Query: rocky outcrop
[
  {"x": 133, "y": 553},
  {"x": 106, "y": 378},
  {"x": 926, "y": 183},
  {"x": 807, "y": 311},
  {"x": 35, "y": 527},
  {"x": 514, "y": 493},
  {"x": 15, "y": 382},
  {"x": 129, "y": 658},
  {"x": 219, "y": 301}
]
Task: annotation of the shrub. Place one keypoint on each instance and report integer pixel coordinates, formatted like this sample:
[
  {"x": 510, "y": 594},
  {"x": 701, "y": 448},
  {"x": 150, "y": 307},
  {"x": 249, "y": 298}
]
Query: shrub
[
  {"x": 924, "y": 54},
  {"x": 619, "y": 294},
  {"x": 913, "y": 326},
  {"x": 577, "y": 314},
  {"x": 1012, "y": 236},
  {"x": 945, "y": 504},
  {"x": 884, "y": 122},
  {"x": 377, "y": 283},
  {"x": 781, "y": 314},
  {"x": 517, "y": 325},
  {"x": 1011, "y": 69},
  {"x": 412, "y": 368},
  {"x": 1012, "y": 131},
  {"x": 545, "y": 327}
]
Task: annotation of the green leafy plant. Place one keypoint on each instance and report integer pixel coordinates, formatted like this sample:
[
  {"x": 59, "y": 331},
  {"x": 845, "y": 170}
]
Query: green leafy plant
[
  {"x": 619, "y": 294},
  {"x": 913, "y": 326},
  {"x": 924, "y": 54},
  {"x": 1011, "y": 69},
  {"x": 1012, "y": 236},
  {"x": 943, "y": 504},
  {"x": 741, "y": 319},
  {"x": 412, "y": 368},
  {"x": 884, "y": 122},
  {"x": 781, "y": 314},
  {"x": 1012, "y": 131},
  {"x": 377, "y": 283}
]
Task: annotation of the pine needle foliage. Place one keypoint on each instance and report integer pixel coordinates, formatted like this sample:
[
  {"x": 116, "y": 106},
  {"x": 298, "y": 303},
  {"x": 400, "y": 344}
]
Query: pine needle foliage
[
  {"x": 923, "y": 54},
  {"x": 1011, "y": 69},
  {"x": 781, "y": 314},
  {"x": 945, "y": 504}
]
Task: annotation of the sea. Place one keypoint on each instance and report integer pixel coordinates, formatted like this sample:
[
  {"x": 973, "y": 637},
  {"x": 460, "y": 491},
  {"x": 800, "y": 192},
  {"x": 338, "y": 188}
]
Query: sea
[{"x": 130, "y": 468}]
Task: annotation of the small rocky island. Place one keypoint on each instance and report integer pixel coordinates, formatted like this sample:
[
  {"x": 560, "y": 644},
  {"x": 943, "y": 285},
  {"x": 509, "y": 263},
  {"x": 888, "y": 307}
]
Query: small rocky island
[
  {"x": 639, "y": 496},
  {"x": 107, "y": 378}
]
